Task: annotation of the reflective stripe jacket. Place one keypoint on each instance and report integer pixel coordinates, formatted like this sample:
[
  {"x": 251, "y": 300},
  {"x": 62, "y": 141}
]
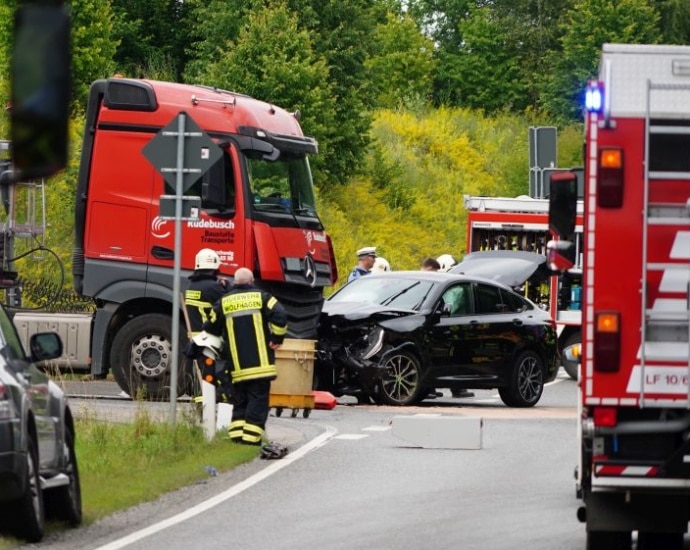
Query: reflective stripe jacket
[
  {"x": 203, "y": 291},
  {"x": 249, "y": 319}
]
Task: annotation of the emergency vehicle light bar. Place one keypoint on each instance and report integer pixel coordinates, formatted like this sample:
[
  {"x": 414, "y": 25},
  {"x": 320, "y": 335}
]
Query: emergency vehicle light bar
[{"x": 594, "y": 97}]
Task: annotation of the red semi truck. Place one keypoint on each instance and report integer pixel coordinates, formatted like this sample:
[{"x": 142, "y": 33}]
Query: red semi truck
[
  {"x": 258, "y": 210},
  {"x": 634, "y": 386}
]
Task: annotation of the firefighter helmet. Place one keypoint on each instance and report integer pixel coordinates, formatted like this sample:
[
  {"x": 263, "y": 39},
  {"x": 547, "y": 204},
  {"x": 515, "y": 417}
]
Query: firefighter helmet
[
  {"x": 446, "y": 261},
  {"x": 210, "y": 344},
  {"x": 207, "y": 259},
  {"x": 381, "y": 264}
]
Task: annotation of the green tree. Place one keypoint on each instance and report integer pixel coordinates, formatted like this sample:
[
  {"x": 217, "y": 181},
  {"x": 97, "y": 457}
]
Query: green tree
[
  {"x": 588, "y": 25},
  {"x": 674, "y": 20},
  {"x": 285, "y": 71},
  {"x": 93, "y": 46},
  {"x": 402, "y": 65},
  {"x": 440, "y": 20},
  {"x": 7, "y": 8},
  {"x": 339, "y": 33},
  {"x": 487, "y": 73},
  {"x": 152, "y": 37}
]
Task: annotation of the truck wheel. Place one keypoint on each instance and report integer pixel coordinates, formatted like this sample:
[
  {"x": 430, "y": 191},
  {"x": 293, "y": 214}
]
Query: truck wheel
[
  {"x": 609, "y": 540},
  {"x": 526, "y": 382},
  {"x": 571, "y": 367},
  {"x": 64, "y": 503},
  {"x": 26, "y": 515},
  {"x": 141, "y": 358},
  {"x": 400, "y": 385},
  {"x": 652, "y": 541}
]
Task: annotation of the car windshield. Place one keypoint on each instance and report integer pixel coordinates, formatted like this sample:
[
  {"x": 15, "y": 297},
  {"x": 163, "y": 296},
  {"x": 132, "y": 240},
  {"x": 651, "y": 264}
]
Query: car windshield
[
  {"x": 282, "y": 185},
  {"x": 386, "y": 291}
]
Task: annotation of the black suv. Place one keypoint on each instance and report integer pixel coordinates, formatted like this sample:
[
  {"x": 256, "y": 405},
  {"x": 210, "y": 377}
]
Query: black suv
[
  {"x": 38, "y": 465},
  {"x": 393, "y": 337}
]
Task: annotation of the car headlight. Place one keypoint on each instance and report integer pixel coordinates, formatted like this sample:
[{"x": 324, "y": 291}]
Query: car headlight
[{"x": 374, "y": 342}]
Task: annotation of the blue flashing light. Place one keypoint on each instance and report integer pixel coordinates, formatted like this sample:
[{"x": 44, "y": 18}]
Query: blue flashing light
[{"x": 594, "y": 97}]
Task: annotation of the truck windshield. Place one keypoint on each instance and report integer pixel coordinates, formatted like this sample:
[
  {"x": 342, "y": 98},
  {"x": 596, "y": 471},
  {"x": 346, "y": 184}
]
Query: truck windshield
[{"x": 282, "y": 185}]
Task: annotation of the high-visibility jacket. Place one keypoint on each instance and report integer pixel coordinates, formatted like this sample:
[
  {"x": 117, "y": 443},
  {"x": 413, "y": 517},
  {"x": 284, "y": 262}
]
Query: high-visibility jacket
[
  {"x": 203, "y": 292},
  {"x": 249, "y": 319}
]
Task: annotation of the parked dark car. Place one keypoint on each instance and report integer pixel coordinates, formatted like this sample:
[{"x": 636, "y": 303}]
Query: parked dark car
[
  {"x": 393, "y": 337},
  {"x": 39, "y": 477}
]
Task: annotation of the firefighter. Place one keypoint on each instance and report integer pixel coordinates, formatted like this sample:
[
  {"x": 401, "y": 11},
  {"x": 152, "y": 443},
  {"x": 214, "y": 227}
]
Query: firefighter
[
  {"x": 253, "y": 324},
  {"x": 205, "y": 289}
]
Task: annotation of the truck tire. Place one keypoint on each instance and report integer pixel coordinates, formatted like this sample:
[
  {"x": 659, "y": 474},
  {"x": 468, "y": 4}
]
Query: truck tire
[
  {"x": 64, "y": 503},
  {"x": 526, "y": 382},
  {"x": 26, "y": 516},
  {"x": 571, "y": 367},
  {"x": 652, "y": 541},
  {"x": 141, "y": 358},
  {"x": 609, "y": 540}
]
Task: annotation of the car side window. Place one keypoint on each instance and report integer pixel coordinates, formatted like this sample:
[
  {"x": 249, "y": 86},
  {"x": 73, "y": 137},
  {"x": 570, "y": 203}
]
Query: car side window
[
  {"x": 457, "y": 299},
  {"x": 513, "y": 302},
  {"x": 489, "y": 299},
  {"x": 10, "y": 343}
]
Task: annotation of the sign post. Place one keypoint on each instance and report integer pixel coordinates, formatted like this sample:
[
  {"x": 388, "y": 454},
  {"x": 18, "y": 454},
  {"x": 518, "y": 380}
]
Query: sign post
[{"x": 181, "y": 167}]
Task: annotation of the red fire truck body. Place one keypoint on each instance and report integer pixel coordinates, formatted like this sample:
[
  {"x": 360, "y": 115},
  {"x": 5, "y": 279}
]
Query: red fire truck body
[
  {"x": 634, "y": 421},
  {"x": 522, "y": 223},
  {"x": 257, "y": 210}
]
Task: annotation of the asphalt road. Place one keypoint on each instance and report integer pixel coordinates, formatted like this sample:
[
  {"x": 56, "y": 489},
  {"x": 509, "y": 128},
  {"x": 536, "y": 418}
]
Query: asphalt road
[{"x": 351, "y": 481}]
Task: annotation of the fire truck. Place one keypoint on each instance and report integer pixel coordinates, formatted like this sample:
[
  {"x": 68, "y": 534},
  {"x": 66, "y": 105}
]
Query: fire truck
[
  {"x": 522, "y": 223},
  {"x": 634, "y": 389},
  {"x": 257, "y": 209}
]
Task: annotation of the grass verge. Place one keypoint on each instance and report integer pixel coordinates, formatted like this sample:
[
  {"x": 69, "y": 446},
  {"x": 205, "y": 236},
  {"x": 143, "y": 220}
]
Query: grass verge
[{"x": 122, "y": 465}]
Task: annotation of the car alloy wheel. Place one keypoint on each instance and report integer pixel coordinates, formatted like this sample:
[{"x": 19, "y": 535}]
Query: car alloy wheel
[
  {"x": 400, "y": 385},
  {"x": 526, "y": 382}
]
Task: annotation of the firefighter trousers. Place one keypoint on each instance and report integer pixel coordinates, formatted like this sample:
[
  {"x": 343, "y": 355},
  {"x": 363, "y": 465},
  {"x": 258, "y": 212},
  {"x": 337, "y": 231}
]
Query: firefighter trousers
[{"x": 250, "y": 411}]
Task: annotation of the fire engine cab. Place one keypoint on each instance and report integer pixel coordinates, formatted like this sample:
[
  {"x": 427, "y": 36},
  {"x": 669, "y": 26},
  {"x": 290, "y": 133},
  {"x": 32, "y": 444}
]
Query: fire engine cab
[{"x": 634, "y": 392}]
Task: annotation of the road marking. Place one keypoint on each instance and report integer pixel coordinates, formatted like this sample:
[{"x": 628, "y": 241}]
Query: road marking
[
  {"x": 225, "y": 495},
  {"x": 376, "y": 428},
  {"x": 351, "y": 436}
]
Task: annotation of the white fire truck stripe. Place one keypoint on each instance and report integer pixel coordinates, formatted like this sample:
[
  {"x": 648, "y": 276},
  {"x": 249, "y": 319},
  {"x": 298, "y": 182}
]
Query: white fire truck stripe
[
  {"x": 681, "y": 246},
  {"x": 676, "y": 280},
  {"x": 665, "y": 351},
  {"x": 627, "y": 471}
]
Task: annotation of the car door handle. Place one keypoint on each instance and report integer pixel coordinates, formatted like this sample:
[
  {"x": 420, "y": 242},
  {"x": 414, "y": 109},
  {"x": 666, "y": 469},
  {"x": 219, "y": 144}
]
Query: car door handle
[
  {"x": 474, "y": 322},
  {"x": 517, "y": 322}
]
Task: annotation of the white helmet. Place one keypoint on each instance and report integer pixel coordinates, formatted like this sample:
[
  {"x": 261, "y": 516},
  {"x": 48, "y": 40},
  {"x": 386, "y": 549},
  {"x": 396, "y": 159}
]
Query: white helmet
[
  {"x": 381, "y": 264},
  {"x": 212, "y": 345},
  {"x": 446, "y": 261},
  {"x": 207, "y": 259}
]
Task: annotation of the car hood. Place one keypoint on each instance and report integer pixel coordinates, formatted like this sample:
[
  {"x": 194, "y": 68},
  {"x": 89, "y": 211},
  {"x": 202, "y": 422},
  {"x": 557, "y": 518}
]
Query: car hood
[
  {"x": 510, "y": 267},
  {"x": 354, "y": 311}
]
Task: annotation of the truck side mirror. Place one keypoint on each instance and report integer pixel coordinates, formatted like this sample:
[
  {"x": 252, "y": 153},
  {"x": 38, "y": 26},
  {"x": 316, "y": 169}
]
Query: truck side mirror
[
  {"x": 40, "y": 75},
  {"x": 562, "y": 212},
  {"x": 563, "y": 204}
]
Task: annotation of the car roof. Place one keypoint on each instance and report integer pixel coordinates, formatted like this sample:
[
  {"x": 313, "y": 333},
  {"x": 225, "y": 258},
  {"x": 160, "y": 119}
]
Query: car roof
[{"x": 438, "y": 276}]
